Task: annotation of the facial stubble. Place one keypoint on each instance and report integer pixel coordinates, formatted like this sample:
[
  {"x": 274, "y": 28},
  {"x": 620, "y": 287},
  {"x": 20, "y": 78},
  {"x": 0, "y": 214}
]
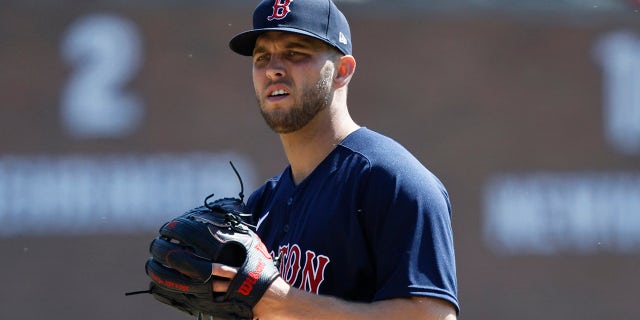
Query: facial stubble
[{"x": 313, "y": 100}]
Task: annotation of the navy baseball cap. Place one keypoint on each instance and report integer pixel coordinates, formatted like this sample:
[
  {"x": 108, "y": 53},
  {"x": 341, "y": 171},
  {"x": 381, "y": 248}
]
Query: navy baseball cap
[{"x": 319, "y": 19}]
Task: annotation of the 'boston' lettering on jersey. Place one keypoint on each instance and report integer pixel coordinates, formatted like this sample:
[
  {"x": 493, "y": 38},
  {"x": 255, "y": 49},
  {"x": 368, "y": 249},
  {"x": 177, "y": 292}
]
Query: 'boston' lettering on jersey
[{"x": 308, "y": 269}]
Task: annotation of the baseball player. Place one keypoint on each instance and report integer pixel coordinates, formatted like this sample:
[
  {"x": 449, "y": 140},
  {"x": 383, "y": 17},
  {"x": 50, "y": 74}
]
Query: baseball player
[{"x": 361, "y": 228}]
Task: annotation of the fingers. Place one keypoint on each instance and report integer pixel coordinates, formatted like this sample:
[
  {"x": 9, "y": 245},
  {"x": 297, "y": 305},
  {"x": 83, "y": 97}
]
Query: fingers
[
  {"x": 223, "y": 271},
  {"x": 222, "y": 277},
  {"x": 220, "y": 286}
]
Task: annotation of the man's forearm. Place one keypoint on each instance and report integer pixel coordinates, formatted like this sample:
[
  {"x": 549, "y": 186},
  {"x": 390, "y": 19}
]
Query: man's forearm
[{"x": 283, "y": 302}]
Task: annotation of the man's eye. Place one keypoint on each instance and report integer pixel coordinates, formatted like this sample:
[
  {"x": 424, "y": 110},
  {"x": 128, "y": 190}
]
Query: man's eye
[
  {"x": 262, "y": 57},
  {"x": 296, "y": 54}
]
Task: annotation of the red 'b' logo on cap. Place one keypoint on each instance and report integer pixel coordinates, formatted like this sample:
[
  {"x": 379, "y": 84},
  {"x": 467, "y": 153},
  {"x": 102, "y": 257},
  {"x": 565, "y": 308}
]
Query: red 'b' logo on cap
[{"x": 280, "y": 9}]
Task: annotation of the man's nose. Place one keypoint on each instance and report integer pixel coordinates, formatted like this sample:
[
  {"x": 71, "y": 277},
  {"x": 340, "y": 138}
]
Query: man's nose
[{"x": 275, "y": 68}]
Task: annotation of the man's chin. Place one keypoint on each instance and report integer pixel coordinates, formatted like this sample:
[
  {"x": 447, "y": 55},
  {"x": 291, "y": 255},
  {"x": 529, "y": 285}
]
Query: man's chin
[{"x": 282, "y": 129}]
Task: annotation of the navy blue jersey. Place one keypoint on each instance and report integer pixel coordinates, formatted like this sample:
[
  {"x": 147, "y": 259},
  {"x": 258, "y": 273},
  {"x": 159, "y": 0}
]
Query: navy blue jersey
[{"x": 369, "y": 223}]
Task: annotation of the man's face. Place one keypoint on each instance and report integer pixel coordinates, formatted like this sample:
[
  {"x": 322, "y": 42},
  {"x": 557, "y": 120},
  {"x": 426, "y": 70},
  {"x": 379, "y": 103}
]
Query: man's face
[{"x": 292, "y": 77}]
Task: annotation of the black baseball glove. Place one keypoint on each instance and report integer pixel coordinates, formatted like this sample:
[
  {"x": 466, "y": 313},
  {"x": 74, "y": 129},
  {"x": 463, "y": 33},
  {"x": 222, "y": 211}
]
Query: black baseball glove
[{"x": 181, "y": 262}]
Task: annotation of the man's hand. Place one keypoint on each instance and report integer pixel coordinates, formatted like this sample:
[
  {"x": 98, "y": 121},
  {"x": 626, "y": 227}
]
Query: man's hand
[{"x": 209, "y": 262}]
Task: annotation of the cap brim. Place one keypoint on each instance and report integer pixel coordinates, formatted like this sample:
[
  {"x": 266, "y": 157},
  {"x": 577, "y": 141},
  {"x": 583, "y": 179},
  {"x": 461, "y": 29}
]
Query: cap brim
[{"x": 245, "y": 42}]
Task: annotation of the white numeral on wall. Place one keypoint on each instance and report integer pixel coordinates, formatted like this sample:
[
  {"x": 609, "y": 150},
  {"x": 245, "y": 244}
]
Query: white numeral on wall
[
  {"x": 105, "y": 53},
  {"x": 619, "y": 55}
]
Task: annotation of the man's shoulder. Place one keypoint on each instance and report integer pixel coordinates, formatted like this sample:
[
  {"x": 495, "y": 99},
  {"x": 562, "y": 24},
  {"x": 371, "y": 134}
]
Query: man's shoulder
[
  {"x": 379, "y": 149},
  {"x": 390, "y": 161},
  {"x": 367, "y": 140}
]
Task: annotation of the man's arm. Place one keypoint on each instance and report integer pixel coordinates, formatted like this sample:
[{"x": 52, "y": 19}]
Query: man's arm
[{"x": 282, "y": 301}]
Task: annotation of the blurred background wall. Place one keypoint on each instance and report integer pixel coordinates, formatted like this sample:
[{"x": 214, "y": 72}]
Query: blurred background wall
[{"x": 117, "y": 115}]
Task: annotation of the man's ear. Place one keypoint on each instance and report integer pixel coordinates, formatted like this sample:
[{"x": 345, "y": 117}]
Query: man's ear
[{"x": 345, "y": 68}]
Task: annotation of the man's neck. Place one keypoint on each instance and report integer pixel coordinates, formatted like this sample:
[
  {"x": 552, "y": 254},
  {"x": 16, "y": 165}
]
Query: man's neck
[{"x": 309, "y": 146}]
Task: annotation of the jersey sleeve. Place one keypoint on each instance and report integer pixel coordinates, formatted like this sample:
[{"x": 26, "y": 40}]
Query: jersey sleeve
[{"x": 407, "y": 215}]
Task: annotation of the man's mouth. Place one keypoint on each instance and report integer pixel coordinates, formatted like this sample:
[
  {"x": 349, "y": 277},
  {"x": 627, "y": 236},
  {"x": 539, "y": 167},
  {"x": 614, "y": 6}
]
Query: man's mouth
[{"x": 279, "y": 93}]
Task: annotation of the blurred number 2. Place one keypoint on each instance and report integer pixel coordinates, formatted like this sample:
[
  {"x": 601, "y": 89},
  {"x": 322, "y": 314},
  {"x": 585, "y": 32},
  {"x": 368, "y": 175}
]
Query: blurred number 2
[{"x": 105, "y": 53}]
